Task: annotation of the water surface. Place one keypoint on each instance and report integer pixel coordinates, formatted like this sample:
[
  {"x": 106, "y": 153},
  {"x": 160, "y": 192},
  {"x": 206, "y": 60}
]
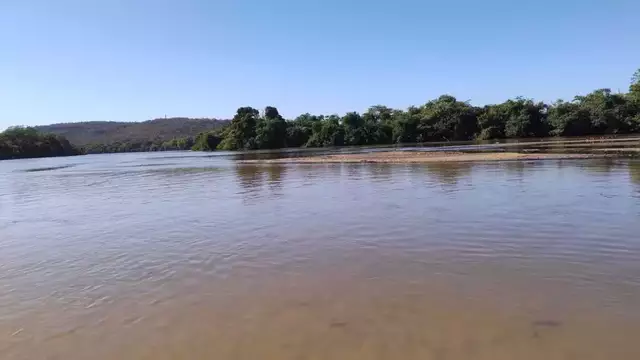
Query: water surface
[{"x": 187, "y": 256}]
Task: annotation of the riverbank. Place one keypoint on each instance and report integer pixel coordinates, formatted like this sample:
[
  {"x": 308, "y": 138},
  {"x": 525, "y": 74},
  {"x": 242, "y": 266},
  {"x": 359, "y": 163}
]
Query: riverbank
[{"x": 422, "y": 157}]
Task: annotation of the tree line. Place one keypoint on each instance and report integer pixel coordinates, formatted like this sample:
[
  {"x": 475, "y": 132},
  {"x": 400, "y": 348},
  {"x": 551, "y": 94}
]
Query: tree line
[
  {"x": 601, "y": 112},
  {"x": 26, "y": 142},
  {"x": 204, "y": 141}
]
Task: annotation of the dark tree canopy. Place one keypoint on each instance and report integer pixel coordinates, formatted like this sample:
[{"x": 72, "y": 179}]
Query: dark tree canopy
[
  {"x": 206, "y": 141},
  {"x": 241, "y": 132},
  {"x": 516, "y": 118},
  {"x": 26, "y": 142}
]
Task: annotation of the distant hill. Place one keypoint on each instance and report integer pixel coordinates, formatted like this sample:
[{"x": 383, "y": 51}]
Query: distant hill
[{"x": 131, "y": 136}]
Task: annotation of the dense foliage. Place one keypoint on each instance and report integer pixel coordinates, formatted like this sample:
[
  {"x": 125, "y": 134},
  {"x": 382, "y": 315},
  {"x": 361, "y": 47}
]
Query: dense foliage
[
  {"x": 24, "y": 142},
  {"x": 443, "y": 119},
  {"x": 158, "y": 134}
]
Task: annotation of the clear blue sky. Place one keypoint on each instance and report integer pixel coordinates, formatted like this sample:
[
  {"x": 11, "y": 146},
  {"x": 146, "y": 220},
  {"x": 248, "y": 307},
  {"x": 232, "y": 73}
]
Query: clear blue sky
[{"x": 128, "y": 60}]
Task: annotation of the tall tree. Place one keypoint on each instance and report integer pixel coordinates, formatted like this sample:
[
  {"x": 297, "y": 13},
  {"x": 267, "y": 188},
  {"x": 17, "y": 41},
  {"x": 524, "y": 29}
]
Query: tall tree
[
  {"x": 634, "y": 96},
  {"x": 271, "y": 130},
  {"x": 329, "y": 132},
  {"x": 405, "y": 126},
  {"x": 446, "y": 118},
  {"x": 634, "y": 88},
  {"x": 241, "y": 132},
  {"x": 569, "y": 119}
]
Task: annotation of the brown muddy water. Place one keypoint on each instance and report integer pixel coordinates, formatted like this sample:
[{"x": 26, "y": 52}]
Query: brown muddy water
[{"x": 194, "y": 256}]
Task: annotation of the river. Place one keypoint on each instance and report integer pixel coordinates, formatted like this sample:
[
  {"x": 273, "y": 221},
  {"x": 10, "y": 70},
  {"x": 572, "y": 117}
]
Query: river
[{"x": 184, "y": 255}]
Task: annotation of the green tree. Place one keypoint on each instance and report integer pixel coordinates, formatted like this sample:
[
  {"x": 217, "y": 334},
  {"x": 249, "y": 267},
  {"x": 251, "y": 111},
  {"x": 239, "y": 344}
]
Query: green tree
[
  {"x": 634, "y": 88},
  {"x": 492, "y": 121},
  {"x": 300, "y": 130},
  {"x": 378, "y": 125},
  {"x": 26, "y": 142},
  {"x": 446, "y": 118},
  {"x": 241, "y": 132},
  {"x": 607, "y": 113},
  {"x": 569, "y": 119},
  {"x": 353, "y": 131},
  {"x": 328, "y": 132},
  {"x": 206, "y": 141},
  {"x": 379, "y": 114},
  {"x": 515, "y": 118},
  {"x": 405, "y": 127},
  {"x": 271, "y": 130}
]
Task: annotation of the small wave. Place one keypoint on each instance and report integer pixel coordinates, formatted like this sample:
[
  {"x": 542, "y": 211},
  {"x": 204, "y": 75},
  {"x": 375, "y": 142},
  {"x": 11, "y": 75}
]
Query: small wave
[
  {"x": 182, "y": 156},
  {"x": 37, "y": 221},
  {"x": 184, "y": 170},
  {"x": 149, "y": 165},
  {"x": 49, "y": 168}
]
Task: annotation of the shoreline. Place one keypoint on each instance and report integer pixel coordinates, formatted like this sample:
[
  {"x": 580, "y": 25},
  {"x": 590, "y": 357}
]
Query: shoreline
[{"x": 408, "y": 157}]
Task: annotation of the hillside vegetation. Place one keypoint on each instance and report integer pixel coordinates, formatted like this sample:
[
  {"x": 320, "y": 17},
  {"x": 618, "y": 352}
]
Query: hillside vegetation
[{"x": 106, "y": 136}]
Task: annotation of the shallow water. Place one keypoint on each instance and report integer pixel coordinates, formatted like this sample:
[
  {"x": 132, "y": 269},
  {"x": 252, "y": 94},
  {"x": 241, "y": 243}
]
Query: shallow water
[{"x": 189, "y": 256}]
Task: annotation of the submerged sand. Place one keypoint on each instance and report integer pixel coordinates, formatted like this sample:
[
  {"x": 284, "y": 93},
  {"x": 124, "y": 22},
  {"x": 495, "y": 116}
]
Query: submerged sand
[{"x": 423, "y": 157}]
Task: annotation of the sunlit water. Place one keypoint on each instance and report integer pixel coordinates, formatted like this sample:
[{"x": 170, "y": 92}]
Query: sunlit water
[{"x": 191, "y": 256}]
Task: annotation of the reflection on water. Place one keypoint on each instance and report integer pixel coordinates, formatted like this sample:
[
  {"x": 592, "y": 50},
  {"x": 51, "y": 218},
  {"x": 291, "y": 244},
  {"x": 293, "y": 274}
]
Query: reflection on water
[
  {"x": 169, "y": 256},
  {"x": 518, "y": 168},
  {"x": 275, "y": 177},
  {"x": 380, "y": 172},
  {"x": 604, "y": 166},
  {"x": 449, "y": 173},
  {"x": 253, "y": 179},
  {"x": 250, "y": 178}
]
